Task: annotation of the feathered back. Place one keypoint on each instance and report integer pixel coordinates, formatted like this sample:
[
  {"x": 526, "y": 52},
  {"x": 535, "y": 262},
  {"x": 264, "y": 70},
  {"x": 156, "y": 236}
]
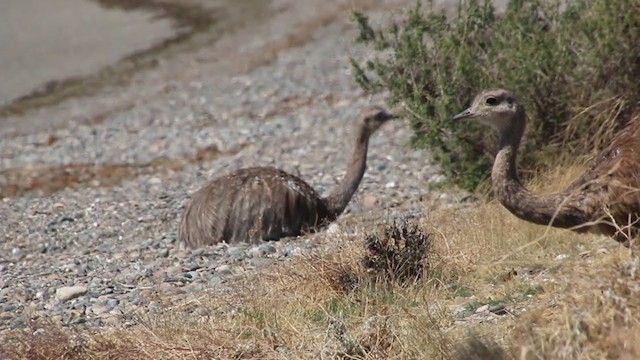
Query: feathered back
[
  {"x": 252, "y": 204},
  {"x": 613, "y": 178}
]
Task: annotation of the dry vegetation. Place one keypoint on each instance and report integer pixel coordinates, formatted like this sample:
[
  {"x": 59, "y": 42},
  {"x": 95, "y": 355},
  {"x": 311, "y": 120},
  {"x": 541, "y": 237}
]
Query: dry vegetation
[{"x": 565, "y": 296}]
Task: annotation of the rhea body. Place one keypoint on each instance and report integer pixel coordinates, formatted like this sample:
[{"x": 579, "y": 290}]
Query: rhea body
[
  {"x": 265, "y": 203},
  {"x": 605, "y": 199}
]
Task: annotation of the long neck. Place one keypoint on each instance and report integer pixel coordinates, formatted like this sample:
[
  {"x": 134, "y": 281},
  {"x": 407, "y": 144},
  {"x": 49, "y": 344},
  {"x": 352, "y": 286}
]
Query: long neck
[
  {"x": 543, "y": 210},
  {"x": 338, "y": 199}
]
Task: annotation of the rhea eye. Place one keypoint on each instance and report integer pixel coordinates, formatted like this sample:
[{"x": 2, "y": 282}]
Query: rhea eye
[{"x": 491, "y": 101}]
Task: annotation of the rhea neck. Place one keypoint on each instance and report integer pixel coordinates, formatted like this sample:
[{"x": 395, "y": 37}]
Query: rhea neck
[
  {"x": 338, "y": 200},
  {"x": 513, "y": 195}
]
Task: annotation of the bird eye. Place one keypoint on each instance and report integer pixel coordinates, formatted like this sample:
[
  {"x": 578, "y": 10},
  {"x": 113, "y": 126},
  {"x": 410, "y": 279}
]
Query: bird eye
[{"x": 491, "y": 101}]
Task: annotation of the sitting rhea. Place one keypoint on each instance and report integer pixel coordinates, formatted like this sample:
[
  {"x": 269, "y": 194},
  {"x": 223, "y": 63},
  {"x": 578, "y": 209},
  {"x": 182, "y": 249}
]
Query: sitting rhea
[
  {"x": 605, "y": 199},
  {"x": 265, "y": 203}
]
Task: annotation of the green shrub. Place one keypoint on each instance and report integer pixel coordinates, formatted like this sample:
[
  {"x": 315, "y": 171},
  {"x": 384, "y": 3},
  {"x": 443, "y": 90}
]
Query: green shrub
[{"x": 575, "y": 67}]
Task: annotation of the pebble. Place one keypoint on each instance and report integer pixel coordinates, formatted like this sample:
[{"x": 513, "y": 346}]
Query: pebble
[
  {"x": 236, "y": 253},
  {"x": 267, "y": 249},
  {"x": 70, "y": 292},
  {"x": 498, "y": 309},
  {"x": 99, "y": 309},
  {"x": 223, "y": 269},
  {"x": 254, "y": 252},
  {"x": 174, "y": 270},
  {"x": 370, "y": 202},
  {"x": 332, "y": 229}
]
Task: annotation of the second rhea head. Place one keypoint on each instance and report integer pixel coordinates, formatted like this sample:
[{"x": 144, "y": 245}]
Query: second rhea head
[{"x": 496, "y": 108}]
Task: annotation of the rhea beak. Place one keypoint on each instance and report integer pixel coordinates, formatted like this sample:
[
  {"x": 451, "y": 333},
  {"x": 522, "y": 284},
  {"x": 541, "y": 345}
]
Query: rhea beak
[{"x": 465, "y": 115}]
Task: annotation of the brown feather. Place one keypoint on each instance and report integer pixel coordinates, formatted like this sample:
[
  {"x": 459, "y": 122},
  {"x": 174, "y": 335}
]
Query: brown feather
[
  {"x": 611, "y": 184},
  {"x": 250, "y": 205}
]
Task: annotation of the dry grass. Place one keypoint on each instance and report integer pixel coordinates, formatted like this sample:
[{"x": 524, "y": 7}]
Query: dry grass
[{"x": 565, "y": 296}]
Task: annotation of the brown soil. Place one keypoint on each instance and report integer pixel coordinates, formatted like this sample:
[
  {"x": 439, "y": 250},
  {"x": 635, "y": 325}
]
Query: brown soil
[{"x": 46, "y": 180}]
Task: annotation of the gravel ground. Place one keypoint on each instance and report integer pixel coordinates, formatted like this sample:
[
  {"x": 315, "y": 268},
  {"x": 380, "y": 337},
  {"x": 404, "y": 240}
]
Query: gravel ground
[{"x": 107, "y": 256}]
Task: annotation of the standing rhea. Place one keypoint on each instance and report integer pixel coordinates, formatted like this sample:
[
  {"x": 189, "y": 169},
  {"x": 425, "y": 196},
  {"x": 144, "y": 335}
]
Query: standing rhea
[
  {"x": 264, "y": 203},
  {"x": 605, "y": 199}
]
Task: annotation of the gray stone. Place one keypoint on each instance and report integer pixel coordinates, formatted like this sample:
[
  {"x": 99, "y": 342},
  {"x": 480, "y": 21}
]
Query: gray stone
[
  {"x": 267, "y": 249},
  {"x": 292, "y": 251},
  {"x": 254, "y": 252},
  {"x": 70, "y": 292},
  {"x": 216, "y": 280},
  {"x": 98, "y": 309},
  {"x": 224, "y": 269},
  {"x": 10, "y": 307},
  {"x": 260, "y": 262},
  {"x": 174, "y": 270},
  {"x": 236, "y": 253},
  {"x": 498, "y": 309}
]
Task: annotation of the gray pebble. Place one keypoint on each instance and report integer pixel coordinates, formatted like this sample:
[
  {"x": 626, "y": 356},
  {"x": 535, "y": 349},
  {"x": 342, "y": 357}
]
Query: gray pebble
[
  {"x": 174, "y": 270},
  {"x": 498, "y": 309},
  {"x": 254, "y": 252},
  {"x": 267, "y": 249},
  {"x": 70, "y": 292},
  {"x": 10, "y": 307},
  {"x": 236, "y": 253},
  {"x": 98, "y": 309},
  {"x": 260, "y": 262},
  {"x": 291, "y": 251},
  {"x": 19, "y": 324},
  {"x": 224, "y": 269},
  {"x": 216, "y": 280}
]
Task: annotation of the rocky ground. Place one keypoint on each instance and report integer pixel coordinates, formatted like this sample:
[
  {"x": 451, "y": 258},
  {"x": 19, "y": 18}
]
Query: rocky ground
[{"x": 90, "y": 209}]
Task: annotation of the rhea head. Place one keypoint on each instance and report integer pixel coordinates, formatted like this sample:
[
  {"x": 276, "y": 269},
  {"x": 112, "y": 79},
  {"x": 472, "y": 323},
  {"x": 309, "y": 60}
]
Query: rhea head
[
  {"x": 372, "y": 118},
  {"x": 498, "y": 109}
]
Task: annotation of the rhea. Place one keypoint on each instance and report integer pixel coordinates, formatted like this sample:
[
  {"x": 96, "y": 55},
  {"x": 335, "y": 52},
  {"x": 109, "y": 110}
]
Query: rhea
[
  {"x": 265, "y": 203},
  {"x": 605, "y": 199}
]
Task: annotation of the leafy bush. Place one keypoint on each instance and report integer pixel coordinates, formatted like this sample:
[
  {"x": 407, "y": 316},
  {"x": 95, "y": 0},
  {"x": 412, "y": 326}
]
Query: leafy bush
[{"x": 574, "y": 64}]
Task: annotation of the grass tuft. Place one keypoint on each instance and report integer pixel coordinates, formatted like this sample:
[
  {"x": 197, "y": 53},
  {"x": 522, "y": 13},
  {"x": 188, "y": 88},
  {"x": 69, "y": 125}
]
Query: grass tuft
[{"x": 398, "y": 254}]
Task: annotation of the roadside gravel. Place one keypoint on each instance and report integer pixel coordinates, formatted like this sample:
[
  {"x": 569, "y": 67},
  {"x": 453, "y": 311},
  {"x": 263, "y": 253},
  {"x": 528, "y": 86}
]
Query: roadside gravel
[{"x": 99, "y": 256}]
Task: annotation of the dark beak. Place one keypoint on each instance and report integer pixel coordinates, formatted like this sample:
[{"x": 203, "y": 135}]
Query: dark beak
[{"x": 465, "y": 115}]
